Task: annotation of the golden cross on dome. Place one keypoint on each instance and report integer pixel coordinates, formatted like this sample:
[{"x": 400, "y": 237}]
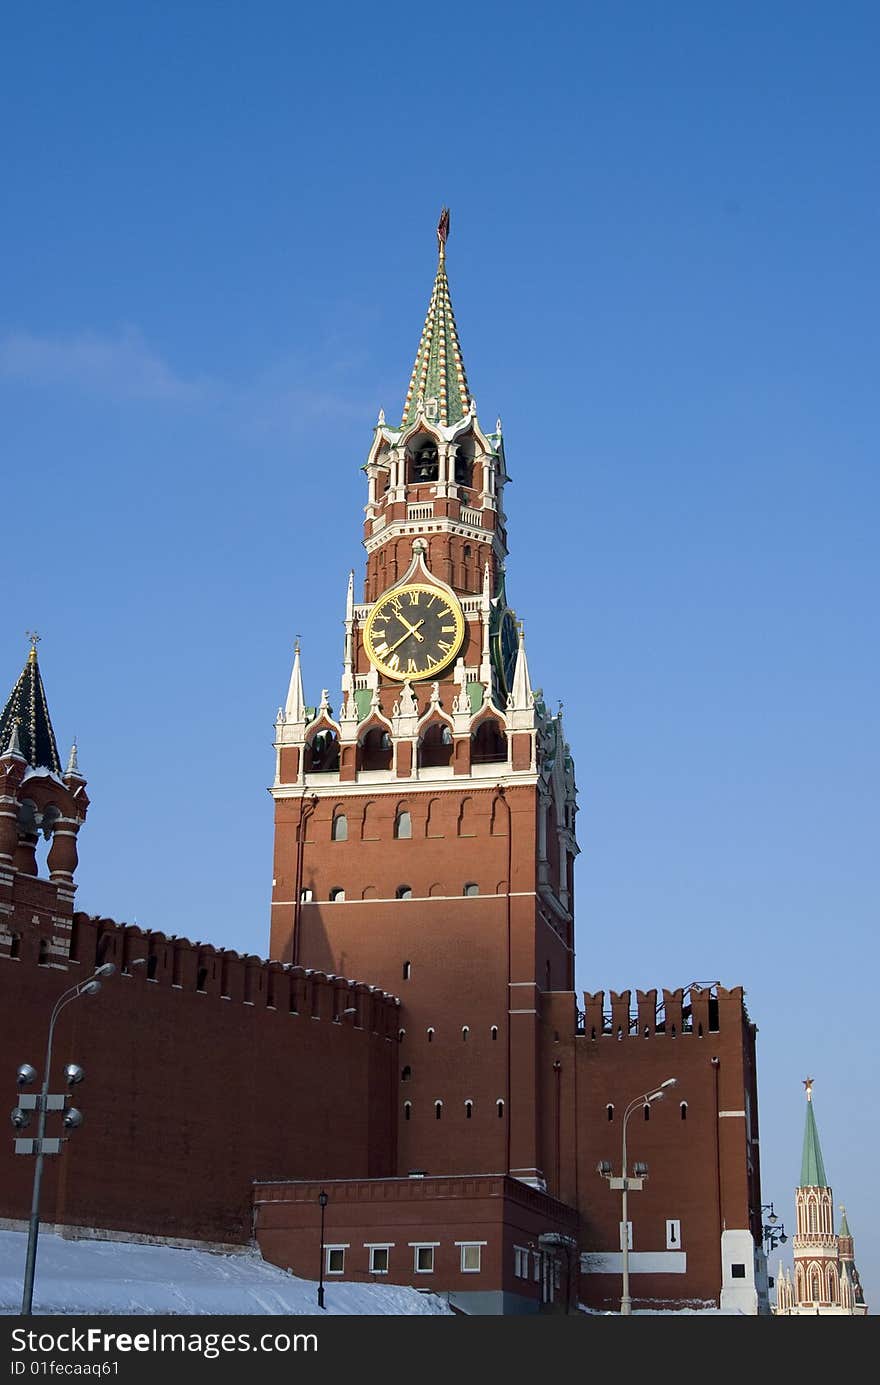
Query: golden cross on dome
[
  {"x": 35, "y": 640},
  {"x": 808, "y": 1084}
]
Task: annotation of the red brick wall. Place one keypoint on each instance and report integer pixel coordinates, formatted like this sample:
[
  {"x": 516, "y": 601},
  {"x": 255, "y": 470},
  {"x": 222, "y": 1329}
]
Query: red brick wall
[
  {"x": 698, "y": 1167},
  {"x": 190, "y": 1096}
]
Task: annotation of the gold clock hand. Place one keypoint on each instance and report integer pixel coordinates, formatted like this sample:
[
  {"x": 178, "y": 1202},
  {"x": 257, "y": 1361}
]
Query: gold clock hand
[{"x": 412, "y": 630}]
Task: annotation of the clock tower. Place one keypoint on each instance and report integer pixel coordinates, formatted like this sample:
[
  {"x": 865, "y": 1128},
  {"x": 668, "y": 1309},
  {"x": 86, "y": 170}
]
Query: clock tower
[{"x": 425, "y": 814}]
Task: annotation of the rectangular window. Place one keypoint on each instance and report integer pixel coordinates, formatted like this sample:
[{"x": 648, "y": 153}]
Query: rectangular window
[
  {"x": 470, "y": 1258},
  {"x": 379, "y": 1259},
  {"x": 335, "y": 1259},
  {"x": 737, "y": 1271},
  {"x": 673, "y": 1235},
  {"x": 520, "y": 1262},
  {"x": 424, "y": 1261}
]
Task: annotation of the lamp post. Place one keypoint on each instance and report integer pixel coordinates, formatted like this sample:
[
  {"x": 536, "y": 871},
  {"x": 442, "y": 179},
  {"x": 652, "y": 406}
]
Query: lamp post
[
  {"x": 773, "y": 1230},
  {"x": 322, "y": 1200},
  {"x": 43, "y": 1103},
  {"x": 627, "y": 1184}
]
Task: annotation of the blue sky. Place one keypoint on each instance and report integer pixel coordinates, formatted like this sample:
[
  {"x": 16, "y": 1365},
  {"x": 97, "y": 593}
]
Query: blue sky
[{"x": 216, "y": 249}]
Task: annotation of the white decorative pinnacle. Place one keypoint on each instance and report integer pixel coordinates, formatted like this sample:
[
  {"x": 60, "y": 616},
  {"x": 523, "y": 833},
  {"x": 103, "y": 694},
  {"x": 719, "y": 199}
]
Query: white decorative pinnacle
[
  {"x": 435, "y": 695},
  {"x": 380, "y": 423},
  {"x": 14, "y": 746},
  {"x": 498, "y": 426},
  {"x": 521, "y": 697},
  {"x": 406, "y": 704},
  {"x": 295, "y": 707},
  {"x": 72, "y": 763}
]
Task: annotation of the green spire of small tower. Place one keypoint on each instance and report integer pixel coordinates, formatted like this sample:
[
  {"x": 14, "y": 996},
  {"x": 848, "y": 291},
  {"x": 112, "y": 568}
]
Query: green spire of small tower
[
  {"x": 438, "y": 378},
  {"x": 26, "y": 708},
  {"x": 812, "y": 1167}
]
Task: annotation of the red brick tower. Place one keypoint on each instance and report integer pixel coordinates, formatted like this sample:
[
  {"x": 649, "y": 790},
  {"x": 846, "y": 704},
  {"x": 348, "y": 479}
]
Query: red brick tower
[
  {"x": 37, "y": 798},
  {"x": 425, "y": 831}
]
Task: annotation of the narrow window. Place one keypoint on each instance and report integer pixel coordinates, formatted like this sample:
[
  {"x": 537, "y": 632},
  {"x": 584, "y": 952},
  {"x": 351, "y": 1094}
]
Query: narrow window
[
  {"x": 647, "y": 1110},
  {"x": 337, "y": 894},
  {"x": 15, "y": 945},
  {"x": 438, "y": 1110},
  {"x": 202, "y": 978},
  {"x": 471, "y": 889},
  {"x": 499, "y": 1107},
  {"x": 407, "y": 970},
  {"x": 468, "y": 1110},
  {"x": 430, "y": 1035},
  {"x": 43, "y": 957},
  {"x": 406, "y": 1073},
  {"x": 494, "y": 1031},
  {"x": 407, "y": 1110},
  {"x": 401, "y": 1035},
  {"x": 464, "y": 1033},
  {"x": 403, "y": 825},
  {"x": 684, "y": 1110},
  {"x": 470, "y": 1259},
  {"x": 339, "y": 828},
  {"x": 404, "y": 892},
  {"x": 609, "y": 1110},
  {"x": 152, "y": 964}
]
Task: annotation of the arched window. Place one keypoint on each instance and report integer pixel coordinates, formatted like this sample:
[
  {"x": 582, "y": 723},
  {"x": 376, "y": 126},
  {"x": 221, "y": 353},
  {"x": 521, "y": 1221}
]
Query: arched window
[
  {"x": 815, "y": 1285},
  {"x": 403, "y": 892},
  {"x": 812, "y": 1213},
  {"x": 422, "y": 459},
  {"x": 435, "y": 747},
  {"x": 401, "y": 1035},
  {"x": 434, "y": 819},
  {"x": 468, "y": 1110},
  {"x": 463, "y": 468},
  {"x": 337, "y": 894},
  {"x": 499, "y": 1107},
  {"x": 684, "y": 1110},
  {"x": 305, "y": 896},
  {"x": 494, "y": 1031},
  {"x": 339, "y": 828},
  {"x": 322, "y": 752},
  {"x": 403, "y": 824},
  {"x": 430, "y": 1034},
  {"x": 488, "y": 743},
  {"x": 407, "y": 970},
  {"x": 647, "y": 1110},
  {"x": 407, "y": 1110},
  {"x": 471, "y": 889},
  {"x": 405, "y": 1073},
  {"x": 438, "y": 1109},
  {"x": 609, "y": 1111},
  {"x": 464, "y": 1033},
  {"x": 375, "y": 751}
]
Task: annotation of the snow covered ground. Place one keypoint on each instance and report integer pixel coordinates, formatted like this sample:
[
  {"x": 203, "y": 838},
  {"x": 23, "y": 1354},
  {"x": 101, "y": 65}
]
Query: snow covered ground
[{"x": 126, "y": 1278}]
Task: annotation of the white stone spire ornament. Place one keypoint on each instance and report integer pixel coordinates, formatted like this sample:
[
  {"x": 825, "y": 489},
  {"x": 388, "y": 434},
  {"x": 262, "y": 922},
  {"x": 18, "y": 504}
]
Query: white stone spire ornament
[
  {"x": 14, "y": 746},
  {"x": 521, "y": 698},
  {"x": 72, "y": 770},
  {"x": 381, "y": 420},
  {"x": 295, "y": 707}
]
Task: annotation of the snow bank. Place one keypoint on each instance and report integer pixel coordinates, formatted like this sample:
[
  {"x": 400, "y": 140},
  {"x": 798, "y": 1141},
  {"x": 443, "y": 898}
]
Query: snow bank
[{"x": 126, "y": 1278}]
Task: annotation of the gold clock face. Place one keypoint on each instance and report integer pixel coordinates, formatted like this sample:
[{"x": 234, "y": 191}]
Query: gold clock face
[{"x": 414, "y": 632}]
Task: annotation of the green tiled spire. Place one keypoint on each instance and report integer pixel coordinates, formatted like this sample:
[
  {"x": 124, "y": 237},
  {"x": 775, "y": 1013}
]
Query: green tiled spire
[
  {"x": 25, "y": 718},
  {"x": 438, "y": 374},
  {"x": 844, "y": 1224},
  {"x": 812, "y": 1167}
]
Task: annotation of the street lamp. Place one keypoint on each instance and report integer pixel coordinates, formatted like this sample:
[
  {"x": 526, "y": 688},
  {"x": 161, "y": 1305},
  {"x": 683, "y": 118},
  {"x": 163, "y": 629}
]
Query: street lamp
[
  {"x": 627, "y": 1184},
  {"x": 41, "y": 1146},
  {"x": 773, "y": 1230},
  {"x": 322, "y": 1200}
]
